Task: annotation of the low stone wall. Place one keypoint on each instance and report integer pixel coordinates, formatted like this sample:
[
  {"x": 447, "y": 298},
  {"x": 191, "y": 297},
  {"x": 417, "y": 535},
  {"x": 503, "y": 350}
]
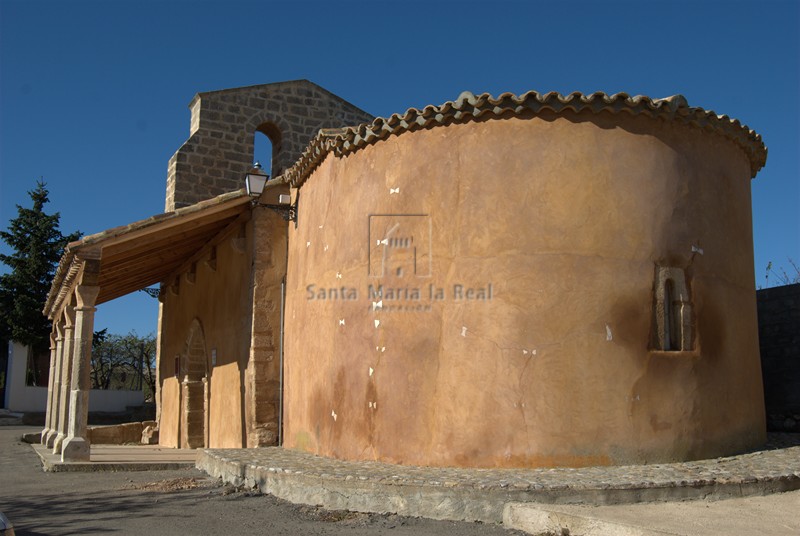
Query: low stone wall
[
  {"x": 118, "y": 434},
  {"x": 779, "y": 341},
  {"x": 481, "y": 494}
]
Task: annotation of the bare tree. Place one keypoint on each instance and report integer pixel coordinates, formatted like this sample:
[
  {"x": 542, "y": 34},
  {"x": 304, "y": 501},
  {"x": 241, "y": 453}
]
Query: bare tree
[
  {"x": 124, "y": 362},
  {"x": 782, "y": 277}
]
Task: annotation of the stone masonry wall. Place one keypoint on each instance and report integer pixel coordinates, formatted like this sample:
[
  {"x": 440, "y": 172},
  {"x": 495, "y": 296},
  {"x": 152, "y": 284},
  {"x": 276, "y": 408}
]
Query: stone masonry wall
[
  {"x": 262, "y": 377},
  {"x": 219, "y": 151},
  {"x": 779, "y": 341}
]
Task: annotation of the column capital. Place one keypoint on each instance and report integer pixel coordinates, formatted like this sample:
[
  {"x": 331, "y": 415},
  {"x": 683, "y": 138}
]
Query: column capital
[
  {"x": 69, "y": 316},
  {"x": 86, "y": 296}
]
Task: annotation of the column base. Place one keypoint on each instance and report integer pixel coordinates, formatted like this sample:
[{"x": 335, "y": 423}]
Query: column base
[
  {"x": 75, "y": 449},
  {"x": 49, "y": 439},
  {"x": 58, "y": 443}
]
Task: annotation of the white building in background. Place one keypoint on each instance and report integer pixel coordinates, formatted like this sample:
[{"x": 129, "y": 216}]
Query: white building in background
[{"x": 22, "y": 398}]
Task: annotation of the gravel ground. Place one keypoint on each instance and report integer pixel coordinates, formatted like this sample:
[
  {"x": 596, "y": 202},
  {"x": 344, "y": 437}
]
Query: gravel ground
[{"x": 185, "y": 502}]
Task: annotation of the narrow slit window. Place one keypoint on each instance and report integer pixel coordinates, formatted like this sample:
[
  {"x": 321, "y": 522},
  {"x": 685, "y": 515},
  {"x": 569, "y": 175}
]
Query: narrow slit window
[
  {"x": 673, "y": 323},
  {"x": 669, "y": 335}
]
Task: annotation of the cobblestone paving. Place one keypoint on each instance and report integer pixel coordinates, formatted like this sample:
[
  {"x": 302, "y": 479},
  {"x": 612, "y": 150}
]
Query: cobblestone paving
[{"x": 778, "y": 460}]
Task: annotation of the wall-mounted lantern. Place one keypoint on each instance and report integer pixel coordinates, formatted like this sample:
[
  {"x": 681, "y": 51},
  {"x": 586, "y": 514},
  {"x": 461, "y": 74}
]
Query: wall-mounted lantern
[{"x": 256, "y": 180}]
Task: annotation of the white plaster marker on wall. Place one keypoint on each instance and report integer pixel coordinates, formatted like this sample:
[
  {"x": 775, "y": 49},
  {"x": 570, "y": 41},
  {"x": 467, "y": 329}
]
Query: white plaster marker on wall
[
  {"x": 333, "y": 414},
  {"x": 308, "y": 245},
  {"x": 608, "y": 333},
  {"x": 380, "y": 349},
  {"x": 325, "y": 248},
  {"x": 371, "y": 371},
  {"x": 394, "y": 191},
  {"x": 320, "y": 226},
  {"x": 341, "y": 321},
  {"x": 377, "y": 323},
  {"x": 377, "y": 305},
  {"x": 463, "y": 331},
  {"x": 697, "y": 249},
  {"x": 338, "y": 275}
]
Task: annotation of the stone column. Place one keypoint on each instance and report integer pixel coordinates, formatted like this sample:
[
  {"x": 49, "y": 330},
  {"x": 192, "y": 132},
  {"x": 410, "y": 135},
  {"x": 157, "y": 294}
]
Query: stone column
[
  {"x": 76, "y": 446},
  {"x": 193, "y": 414},
  {"x": 64, "y": 375},
  {"x": 52, "y": 384}
]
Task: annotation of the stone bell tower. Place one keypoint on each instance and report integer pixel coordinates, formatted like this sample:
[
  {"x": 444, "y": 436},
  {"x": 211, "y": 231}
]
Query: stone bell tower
[{"x": 219, "y": 150}]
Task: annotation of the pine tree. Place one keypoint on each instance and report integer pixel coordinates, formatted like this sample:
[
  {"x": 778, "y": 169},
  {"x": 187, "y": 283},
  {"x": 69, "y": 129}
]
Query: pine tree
[{"x": 37, "y": 245}]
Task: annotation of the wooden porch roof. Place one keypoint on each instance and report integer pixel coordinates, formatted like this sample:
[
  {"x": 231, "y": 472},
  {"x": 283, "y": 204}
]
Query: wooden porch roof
[{"x": 146, "y": 252}]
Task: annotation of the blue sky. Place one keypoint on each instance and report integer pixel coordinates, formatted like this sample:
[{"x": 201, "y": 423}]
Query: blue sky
[{"x": 94, "y": 95}]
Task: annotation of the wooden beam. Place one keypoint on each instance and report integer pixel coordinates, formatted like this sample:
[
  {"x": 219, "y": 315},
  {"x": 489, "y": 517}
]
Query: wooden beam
[
  {"x": 164, "y": 255},
  {"x": 106, "y": 295},
  {"x": 219, "y": 238},
  {"x": 122, "y": 276},
  {"x": 134, "y": 248},
  {"x": 170, "y": 221}
]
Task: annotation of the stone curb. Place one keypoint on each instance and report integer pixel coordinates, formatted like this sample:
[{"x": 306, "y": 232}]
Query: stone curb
[
  {"x": 10, "y": 418},
  {"x": 95, "y": 467},
  {"x": 32, "y": 437},
  {"x": 481, "y": 494},
  {"x": 52, "y": 464},
  {"x": 11, "y": 421},
  {"x": 536, "y": 519}
]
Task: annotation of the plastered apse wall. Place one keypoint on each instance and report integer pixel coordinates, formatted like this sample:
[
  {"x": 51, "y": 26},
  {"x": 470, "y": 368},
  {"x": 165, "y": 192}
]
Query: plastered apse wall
[{"x": 484, "y": 294}]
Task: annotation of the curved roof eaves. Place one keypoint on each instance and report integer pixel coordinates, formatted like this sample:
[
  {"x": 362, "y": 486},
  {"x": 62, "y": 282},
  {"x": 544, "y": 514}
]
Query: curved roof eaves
[{"x": 468, "y": 107}]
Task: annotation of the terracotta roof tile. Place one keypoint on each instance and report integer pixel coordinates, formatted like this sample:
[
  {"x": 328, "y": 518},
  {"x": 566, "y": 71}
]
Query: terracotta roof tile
[{"x": 468, "y": 107}]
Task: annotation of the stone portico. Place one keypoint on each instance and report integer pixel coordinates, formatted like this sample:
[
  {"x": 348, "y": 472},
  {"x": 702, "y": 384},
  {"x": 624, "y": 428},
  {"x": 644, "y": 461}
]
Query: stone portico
[
  {"x": 70, "y": 361},
  {"x": 102, "y": 267}
]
